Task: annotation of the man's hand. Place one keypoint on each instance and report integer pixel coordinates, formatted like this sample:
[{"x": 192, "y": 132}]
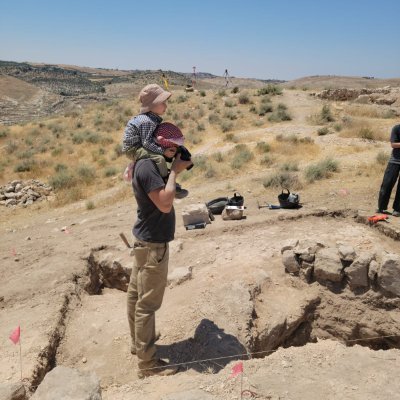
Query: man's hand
[{"x": 179, "y": 165}]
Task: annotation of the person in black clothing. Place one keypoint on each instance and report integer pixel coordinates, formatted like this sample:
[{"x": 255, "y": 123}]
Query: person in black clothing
[{"x": 391, "y": 176}]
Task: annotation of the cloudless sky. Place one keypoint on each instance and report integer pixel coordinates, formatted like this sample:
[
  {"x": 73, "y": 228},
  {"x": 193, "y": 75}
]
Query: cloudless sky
[{"x": 251, "y": 38}]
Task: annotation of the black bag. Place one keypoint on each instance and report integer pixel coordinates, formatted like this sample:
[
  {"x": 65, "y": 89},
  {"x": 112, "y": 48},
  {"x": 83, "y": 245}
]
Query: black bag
[{"x": 289, "y": 200}]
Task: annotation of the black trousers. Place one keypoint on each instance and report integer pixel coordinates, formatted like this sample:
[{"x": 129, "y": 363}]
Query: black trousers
[{"x": 389, "y": 180}]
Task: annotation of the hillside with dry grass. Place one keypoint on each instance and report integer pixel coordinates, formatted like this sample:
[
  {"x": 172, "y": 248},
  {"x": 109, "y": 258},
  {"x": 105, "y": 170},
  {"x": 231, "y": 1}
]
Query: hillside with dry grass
[{"x": 277, "y": 136}]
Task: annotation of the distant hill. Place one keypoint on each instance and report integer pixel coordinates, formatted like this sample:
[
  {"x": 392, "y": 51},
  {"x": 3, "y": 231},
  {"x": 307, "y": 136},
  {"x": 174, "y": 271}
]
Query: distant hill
[{"x": 333, "y": 82}]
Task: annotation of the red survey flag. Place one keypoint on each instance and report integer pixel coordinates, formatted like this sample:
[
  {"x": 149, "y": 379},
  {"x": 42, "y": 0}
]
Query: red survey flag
[
  {"x": 14, "y": 337},
  {"x": 237, "y": 369}
]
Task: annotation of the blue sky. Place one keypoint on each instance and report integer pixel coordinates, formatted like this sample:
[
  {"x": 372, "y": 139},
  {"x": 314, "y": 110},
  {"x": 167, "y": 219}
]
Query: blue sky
[{"x": 254, "y": 38}]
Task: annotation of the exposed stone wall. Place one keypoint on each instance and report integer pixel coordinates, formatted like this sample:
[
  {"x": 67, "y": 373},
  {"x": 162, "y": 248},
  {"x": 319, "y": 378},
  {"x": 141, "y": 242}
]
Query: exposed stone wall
[{"x": 342, "y": 265}]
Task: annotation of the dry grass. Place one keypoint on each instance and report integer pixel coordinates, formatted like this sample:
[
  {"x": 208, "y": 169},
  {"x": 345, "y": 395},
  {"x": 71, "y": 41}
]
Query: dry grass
[
  {"x": 362, "y": 129},
  {"x": 369, "y": 111},
  {"x": 54, "y": 149}
]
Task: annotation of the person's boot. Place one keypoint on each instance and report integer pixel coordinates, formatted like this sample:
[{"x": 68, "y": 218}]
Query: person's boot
[{"x": 156, "y": 368}]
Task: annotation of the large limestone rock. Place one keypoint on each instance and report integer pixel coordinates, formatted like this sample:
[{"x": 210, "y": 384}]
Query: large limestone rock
[
  {"x": 195, "y": 214},
  {"x": 290, "y": 261},
  {"x": 327, "y": 266},
  {"x": 346, "y": 252},
  {"x": 68, "y": 384},
  {"x": 389, "y": 274},
  {"x": 12, "y": 391},
  {"x": 357, "y": 273}
]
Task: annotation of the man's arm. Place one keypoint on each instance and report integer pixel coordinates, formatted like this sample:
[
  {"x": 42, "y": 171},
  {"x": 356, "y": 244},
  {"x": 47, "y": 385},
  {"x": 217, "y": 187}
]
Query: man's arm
[
  {"x": 163, "y": 198},
  {"x": 395, "y": 145}
]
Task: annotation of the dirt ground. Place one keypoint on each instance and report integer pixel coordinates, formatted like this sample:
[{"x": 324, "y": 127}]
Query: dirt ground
[
  {"x": 238, "y": 294},
  {"x": 236, "y": 270}
]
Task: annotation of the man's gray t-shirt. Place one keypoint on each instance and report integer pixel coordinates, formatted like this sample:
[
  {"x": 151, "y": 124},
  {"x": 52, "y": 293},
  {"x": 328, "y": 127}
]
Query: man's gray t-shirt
[
  {"x": 395, "y": 138},
  {"x": 151, "y": 225}
]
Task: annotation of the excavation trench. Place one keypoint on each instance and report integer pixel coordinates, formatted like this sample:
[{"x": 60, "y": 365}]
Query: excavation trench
[
  {"x": 266, "y": 309},
  {"x": 369, "y": 319}
]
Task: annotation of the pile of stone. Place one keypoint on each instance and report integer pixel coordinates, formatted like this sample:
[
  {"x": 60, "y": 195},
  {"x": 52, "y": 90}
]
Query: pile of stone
[
  {"x": 20, "y": 193},
  {"x": 341, "y": 265},
  {"x": 344, "y": 94}
]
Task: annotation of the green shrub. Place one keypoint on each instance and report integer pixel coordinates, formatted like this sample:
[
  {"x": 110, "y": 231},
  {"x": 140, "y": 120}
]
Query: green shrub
[
  {"x": 326, "y": 115},
  {"x": 337, "y": 127},
  {"x": 242, "y": 155},
  {"x": 282, "y": 180},
  {"x": 90, "y": 205},
  {"x": 78, "y": 138},
  {"x": 11, "y": 146},
  {"x": 269, "y": 89},
  {"x": 218, "y": 157},
  {"x": 193, "y": 137},
  {"x": 266, "y": 160},
  {"x": 382, "y": 158},
  {"x": 230, "y": 115},
  {"x": 202, "y": 93},
  {"x": 253, "y": 109},
  {"x": 210, "y": 172},
  {"x": 62, "y": 180},
  {"x": 263, "y": 147},
  {"x": 86, "y": 174},
  {"x": 266, "y": 99},
  {"x": 366, "y": 133},
  {"x": 25, "y": 155},
  {"x": 264, "y": 108},
  {"x": 389, "y": 114},
  {"x": 235, "y": 90},
  {"x": 323, "y": 131},
  {"x": 60, "y": 167},
  {"x": 221, "y": 93},
  {"x": 213, "y": 119},
  {"x": 201, "y": 127},
  {"x": 230, "y": 103},
  {"x": 110, "y": 171},
  {"x": 289, "y": 166},
  {"x": 230, "y": 137},
  {"x": 244, "y": 98},
  {"x": 25, "y": 166},
  {"x": 200, "y": 162},
  {"x": 118, "y": 150},
  {"x": 4, "y": 132},
  {"x": 279, "y": 115},
  {"x": 226, "y": 126},
  {"x": 181, "y": 99},
  {"x": 57, "y": 151},
  {"x": 92, "y": 137},
  {"x": 321, "y": 170}
]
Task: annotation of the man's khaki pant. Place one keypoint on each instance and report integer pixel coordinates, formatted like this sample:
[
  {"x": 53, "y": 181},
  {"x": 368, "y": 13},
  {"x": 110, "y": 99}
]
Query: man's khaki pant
[{"x": 145, "y": 294}]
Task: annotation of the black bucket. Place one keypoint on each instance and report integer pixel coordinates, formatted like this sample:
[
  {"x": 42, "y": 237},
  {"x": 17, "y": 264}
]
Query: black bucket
[
  {"x": 236, "y": 200},
  {"x": 216, "y": 206},
  {"x": 286, "y": 203}
]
